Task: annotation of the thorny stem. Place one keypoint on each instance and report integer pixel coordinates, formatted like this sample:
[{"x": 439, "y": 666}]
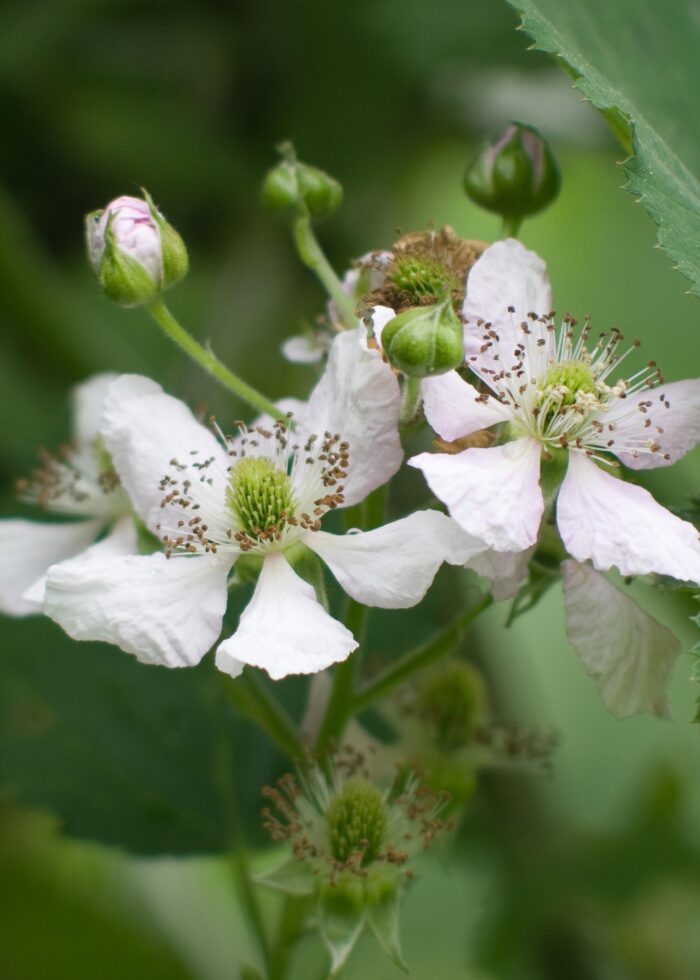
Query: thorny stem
[
  {"x": 418, "y": 658},
  {"x": 172, "y": 329},
  {"x": 312, "y": 256},
  {"x": 290, "y": 928},
  {"x": 250, "y": 696}
]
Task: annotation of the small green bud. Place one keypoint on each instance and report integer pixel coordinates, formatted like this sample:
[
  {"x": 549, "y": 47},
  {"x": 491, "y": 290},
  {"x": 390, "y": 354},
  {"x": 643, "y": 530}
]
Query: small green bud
[
  {"x": 516, "y": 176},
  {"x": 292, "y": 185},
  {"x": 134, "y": 251},
  {"x": 425, "y": 340},
  {"x": 453, "y": 701}
]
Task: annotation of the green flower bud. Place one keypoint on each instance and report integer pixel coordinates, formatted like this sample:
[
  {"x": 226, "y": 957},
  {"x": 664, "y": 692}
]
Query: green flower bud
[
  {"x": 453, "y": 701},
  {"x": 134, "y": 251},
  {"x": 424, "y": 341},
  {"x": 516, "y": 176},
  {"x": 292, "y": 185}
]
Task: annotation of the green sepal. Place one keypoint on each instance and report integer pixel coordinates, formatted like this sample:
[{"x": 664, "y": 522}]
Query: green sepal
[
  {"x": 176, "y": 261},
  {"x": 383, "y": 904},
  {"x": 425, "y": 340},
  {"x": 123, "y": 278},
  {"x": 342, "y": 915},
  {"x": 292, "y": 877}
]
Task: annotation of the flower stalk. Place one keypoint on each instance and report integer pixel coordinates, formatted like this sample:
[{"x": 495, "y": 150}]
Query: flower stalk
[
  {"x": 211, "y": 364},
  {"x": 311, "y": 254}
]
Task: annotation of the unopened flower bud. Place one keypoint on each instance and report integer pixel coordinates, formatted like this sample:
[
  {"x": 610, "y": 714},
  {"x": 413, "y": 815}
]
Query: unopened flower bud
[
  {"x": 425, "y": 340},
  {"x": 453, "y": 701},
  {"x": 292, "y": 184},
  {"x": 134, "y": 251},
  {"x": 516, "y": 176}
]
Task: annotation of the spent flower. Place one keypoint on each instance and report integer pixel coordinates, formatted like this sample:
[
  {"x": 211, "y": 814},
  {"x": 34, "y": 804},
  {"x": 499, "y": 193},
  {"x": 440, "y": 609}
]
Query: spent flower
[{"x": 352, "y": 843}]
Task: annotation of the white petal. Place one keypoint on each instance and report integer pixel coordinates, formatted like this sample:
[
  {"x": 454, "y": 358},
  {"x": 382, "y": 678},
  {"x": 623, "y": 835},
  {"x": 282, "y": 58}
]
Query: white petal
[
  {"x": 164, "y": 611},
  {"x": 284, "y": 629},
  {"x": 493, "y": 494},
  {"x": 358, "y": 397},
  {"x": 381, "y": 315},
  {"x": 27, "y": 549},
  {"x": 455, "y": 409},
  {"x": 617, "y": 524},
  {"x": 673, "y": 411},
  {"x": 506, "y": 570},
  {"x": 628, "y": 652},
  {"x": 393, "y": 566},
  {"x": 145, "y": 430},
  {"x": 507, "y": 274},
  {"x": 304, "y": 349},
  {"x": 88, "y": 403},
  {"x": 121, "y": 540}
]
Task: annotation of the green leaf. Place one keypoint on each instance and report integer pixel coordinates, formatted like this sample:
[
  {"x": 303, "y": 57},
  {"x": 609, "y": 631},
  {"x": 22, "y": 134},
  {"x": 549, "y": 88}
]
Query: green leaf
[
  {"x": 142, "y": 757},
  {"x": 637, "y": 61}
]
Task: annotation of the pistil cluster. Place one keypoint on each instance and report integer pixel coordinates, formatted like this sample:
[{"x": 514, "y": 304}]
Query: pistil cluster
[{"x": 275, "y": 489}]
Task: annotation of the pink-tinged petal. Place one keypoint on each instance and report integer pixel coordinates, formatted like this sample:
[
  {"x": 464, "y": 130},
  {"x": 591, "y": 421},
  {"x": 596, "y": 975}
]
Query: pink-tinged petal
[
  {"x": 618, "y": 524},
  {"x": 630, "y": 654},
  {"x": 28, "y": 549},
  {"x": 164, "y": 611},
  {"x": 284, "y": 629},
  {"x": 506, "y": 570},
  {"x": 393, "y": 566},
  {"x": 88, "y": 402},
  {"x": 358, "y": 397},
  {"x": 454, "y": 408},
  {"x": 493, "y": 494},
  {"x": 667, "y": 416},
  {"x": 145, "y": 430},
  {"x": 121, "y": 540}
]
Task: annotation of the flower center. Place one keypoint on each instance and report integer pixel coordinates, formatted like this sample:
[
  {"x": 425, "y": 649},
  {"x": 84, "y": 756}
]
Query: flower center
[
  {"x": 356, "y": 821},
  {"x": 259, "y": 496},
  {"x": 564, "y": 381}
]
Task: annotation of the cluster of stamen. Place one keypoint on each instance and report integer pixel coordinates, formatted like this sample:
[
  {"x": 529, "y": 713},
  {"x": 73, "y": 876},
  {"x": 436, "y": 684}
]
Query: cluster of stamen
[
  {"x": 68, "y": 479},
  {"x": 273, "y": 490},
  {"x": 560, "y": 391}
]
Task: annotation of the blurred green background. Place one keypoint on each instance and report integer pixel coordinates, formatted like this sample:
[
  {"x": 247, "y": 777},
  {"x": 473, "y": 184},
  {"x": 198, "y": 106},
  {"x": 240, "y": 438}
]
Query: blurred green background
[{"x": 591, "y": 872}]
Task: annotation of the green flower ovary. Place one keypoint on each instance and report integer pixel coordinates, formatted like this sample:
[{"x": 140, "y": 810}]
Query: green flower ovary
[
  {"x": 567, "y": 379},
  {"x": 356, "y": 821},
  {"x": 421, "y": 277},
  {"x": 259, "y": 495}
]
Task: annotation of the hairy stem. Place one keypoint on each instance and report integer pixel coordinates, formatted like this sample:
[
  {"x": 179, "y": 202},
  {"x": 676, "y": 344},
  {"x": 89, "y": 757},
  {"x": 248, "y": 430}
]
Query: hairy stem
[
  {"x": 312, "y": 256},
  {"x": 172, "y": 329}
]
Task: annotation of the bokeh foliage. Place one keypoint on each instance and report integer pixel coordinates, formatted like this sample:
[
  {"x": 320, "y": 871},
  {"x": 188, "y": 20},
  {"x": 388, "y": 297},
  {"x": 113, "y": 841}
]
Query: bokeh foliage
[{"x": 391, "y": 97}]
